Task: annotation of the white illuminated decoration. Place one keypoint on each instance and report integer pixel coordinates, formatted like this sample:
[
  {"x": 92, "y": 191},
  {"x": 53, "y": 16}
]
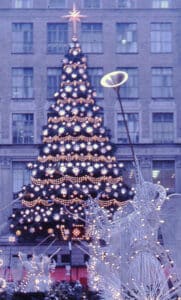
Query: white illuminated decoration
[
  {"x": 126, "y": 259},
  {"x": 37, "y": 278}
]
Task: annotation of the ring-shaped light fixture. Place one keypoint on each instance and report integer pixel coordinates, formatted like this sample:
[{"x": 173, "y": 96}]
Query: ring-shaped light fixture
[{"x": 114, "y": 79}]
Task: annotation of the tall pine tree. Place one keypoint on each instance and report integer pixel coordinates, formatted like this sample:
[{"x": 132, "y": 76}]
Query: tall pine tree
[{"x": 75, "y": 161}]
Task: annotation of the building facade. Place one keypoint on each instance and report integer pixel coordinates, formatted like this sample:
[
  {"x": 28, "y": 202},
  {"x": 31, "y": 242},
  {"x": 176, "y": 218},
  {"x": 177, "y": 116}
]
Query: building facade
[{"x": 142, "y": 37}]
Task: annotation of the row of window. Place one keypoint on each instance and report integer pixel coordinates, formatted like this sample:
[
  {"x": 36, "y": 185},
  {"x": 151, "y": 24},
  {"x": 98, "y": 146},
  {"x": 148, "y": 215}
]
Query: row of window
[
  {"x": 162, "y": 128},
  {"x": 161, "y": 78},
  {"x": 162, "y": 171},
  {"x": 92, "y": 37},
  {"x": 90, "y": 3}
]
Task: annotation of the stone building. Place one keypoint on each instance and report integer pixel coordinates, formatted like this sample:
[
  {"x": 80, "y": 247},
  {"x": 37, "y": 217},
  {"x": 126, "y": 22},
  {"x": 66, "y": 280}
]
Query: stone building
[{"x": 142, "y": 37}]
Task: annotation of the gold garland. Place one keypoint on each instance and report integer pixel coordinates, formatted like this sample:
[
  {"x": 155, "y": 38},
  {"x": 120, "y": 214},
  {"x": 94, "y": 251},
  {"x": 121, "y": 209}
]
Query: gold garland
[
  {"x": 76, "y": 200},
  {"x": 76, "y": 180},
  {"x": 76, "y": 157},
  {"x": 74, "y": 119},
  {"x": 69, "y": 138},
  {"x": 79, "y": 100}
]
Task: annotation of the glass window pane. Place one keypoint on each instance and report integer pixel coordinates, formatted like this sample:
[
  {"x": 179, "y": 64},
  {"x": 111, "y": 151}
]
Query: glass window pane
[
  {"x": 57, "y": 37},
  {"x": 161, "y": 3},
  {"x": 163, "y": 127},
  {"x": 22, "y": 3},
  {"x": 132, "y": 120},
  {"x": 22, "y": 83},
  {"x": 163, "y": 172},
  {"x": 92, "y": 38},
  {"x": 91, "y": 3},
  {"x": 126, "y": 3},
  {"x": 22, "y": 37},
  {"x": 21, "y": 175},
  {"x": 161, "y": 37},
  {"x": 126, "y": 38},
  {"x": 162, "y": 83},
  {"x": 57, "y": 4},
  {"x": 95, "y": 75},
  {"x": 23, "y": 128},
  {"x": 53, "y": 81},
  {"x": 130, "y": 88}
]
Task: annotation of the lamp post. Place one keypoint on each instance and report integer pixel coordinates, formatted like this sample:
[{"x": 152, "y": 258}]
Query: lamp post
[{"x": 115, "y": 80}]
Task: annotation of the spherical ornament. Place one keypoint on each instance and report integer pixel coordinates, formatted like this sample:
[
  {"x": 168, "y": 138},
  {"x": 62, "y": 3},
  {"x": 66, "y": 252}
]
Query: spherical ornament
[
  {"x": 89, "y": 129},
  {"x": 61, "y": 130},
  {"x": 37, "y": 218},
  {"x": 75, "y": 52},
  {"x": 123, "y": 191},
  {"x": 81, "y": 71},
  {"x": 68, "y": 70},
  {"x": 76, "y": 170},
  {"x": 45, "y": 132},
  {"x": 82, "y": 145},
  {"x": 46, "y": 150},
  {"x": 95, "y": 146},
  {"x": 68, "y": 89},
  {"x": 104, "y": 171},
  {"x": 82, "y": 88},
  {"x": 77, "y": 128},
  {"x": 54, "y": 146},
  {"x": 76, "y": 147},
  {"x": 18, "y": 232},
  {"x": 115, "y": 194},
  {"x": 63, "y": 95},
  {"x": 74, "y": 95},
  {"x": 108, "y": 147},
  {"x": 90, "y": 169},
  {"x": 65, "y": 60},
  {"x": 48, "y": 212},
  {"x": 74, "y": 75},
  {"x": 84, "y": 59},
  {"x": 56, "y": 95},
  {"x": 62, "y": 112},
  {"x": 41, "y": 167},
  {"x": 116, "y": 171},
  {"x": 75, "y": 111},
  {"x": 64, "y": 191},
  {"x": 56, "y": 217},
  {"x": 103, "y": 150},
  {"x": 32, "y": 230},
  {"x": 50, "y": 230},
  {"x": 27, "y": 211},
  {"x": 89, "y": 148},
  {"x": 62, "y": 149}
]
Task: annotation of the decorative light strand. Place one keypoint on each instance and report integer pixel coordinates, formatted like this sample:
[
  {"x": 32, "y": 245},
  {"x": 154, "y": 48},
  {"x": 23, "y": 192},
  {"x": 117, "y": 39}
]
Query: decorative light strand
[
  {"x": 77, "y": 157},
  {"x": 69, "y": 138}
]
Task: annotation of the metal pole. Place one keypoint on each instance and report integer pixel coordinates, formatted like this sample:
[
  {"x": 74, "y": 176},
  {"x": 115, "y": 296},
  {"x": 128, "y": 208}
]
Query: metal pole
[
  {"x": 126, "y": 125},
  {"x": 70, "y": 253}
]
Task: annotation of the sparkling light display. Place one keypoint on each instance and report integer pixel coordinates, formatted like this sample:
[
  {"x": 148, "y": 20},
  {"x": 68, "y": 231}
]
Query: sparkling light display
[
  {"x": 127, "y": 261},
  {"x": 75, "y": 161}
]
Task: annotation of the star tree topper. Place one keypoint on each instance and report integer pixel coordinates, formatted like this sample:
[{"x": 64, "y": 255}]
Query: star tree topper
[{"x": 74, "y": 16}]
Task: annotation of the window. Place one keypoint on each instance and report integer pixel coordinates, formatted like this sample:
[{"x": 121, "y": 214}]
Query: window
[
  {"x": 163, "y": 172},
  {"x": 130, "y": 88},
  {"x": 92, "y": 39},
  {"x": 162, "y": 83},
  {"x": 163, "y": 130},
  {"x": 23, "y": 129},
  {"x": 95, "y": 75},
  {"x": 126, "y": 38},
  {"x": 161, "y": 37},
  {"x": 21, "y": 175},
  {"x": 128, "y": 172},
  {"x": 22, "y": 37},
  {"x": 22, "y": 83},
  {"x": 57, "y": 4},
  {"x": 53, "y": 81},
  {"x": 91, "y": 3},
  {"x": 23, "y": 3},
  {"x": 126, "y": 3},
  {"x": 133, "y": 126},
  {"x": 160, "y": 3},
  {"x": 57, "y": 37}
]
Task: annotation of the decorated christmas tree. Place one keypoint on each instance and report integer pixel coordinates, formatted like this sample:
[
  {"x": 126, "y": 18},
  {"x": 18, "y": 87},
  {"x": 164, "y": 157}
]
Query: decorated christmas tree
[{"x": 75, "y": 161}]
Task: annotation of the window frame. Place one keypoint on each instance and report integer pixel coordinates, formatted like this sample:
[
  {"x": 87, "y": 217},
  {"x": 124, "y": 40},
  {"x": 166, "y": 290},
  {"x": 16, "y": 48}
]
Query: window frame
[
  {"x": 58, "y": 46},
  {"x": 123, "y": 34},
  {"x": 29, "y": 128},
  {"x": 27, "y": 85},
  {"x": 134, "y": 134},
  {"x": 161, "y": 136},
  {"x": 90, "y": 44},
  {"x": 159, "y": 37},
  {"x": 162, "y": 91},
  {"x": 22, "y": 4},
  {"x": 23, "y": 43}
]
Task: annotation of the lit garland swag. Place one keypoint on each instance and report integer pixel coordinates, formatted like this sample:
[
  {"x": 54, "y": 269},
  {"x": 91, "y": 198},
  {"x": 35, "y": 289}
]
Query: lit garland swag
[{"x": 75, "y": 160}]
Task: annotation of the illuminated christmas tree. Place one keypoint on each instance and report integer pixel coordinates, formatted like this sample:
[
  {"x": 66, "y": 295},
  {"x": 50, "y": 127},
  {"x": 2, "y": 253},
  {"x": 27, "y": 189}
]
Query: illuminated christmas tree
[{"x": 75, "y": 161}]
